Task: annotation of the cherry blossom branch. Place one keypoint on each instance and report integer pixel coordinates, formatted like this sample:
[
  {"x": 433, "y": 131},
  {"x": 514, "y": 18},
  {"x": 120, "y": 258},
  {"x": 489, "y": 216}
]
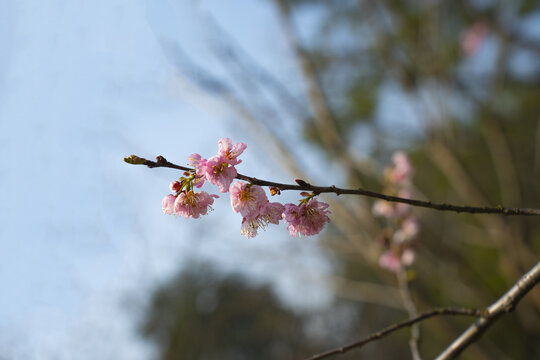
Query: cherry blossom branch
[
  {"x": 382, "y": 333},
  {"x": 301, "y": 185},
  {"x": 503, "y": 305}
]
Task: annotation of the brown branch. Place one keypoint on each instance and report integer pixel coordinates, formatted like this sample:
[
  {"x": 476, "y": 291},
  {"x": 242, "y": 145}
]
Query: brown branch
[
  {"x": 304, "y": 186},
  {"x": 503, "y": 305},
  {"x": 397, "y": 326}
]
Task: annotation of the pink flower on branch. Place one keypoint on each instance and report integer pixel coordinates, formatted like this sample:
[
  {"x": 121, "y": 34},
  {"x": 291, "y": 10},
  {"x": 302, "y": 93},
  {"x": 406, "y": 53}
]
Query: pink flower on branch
[
  {"x": 168, "y": 204},
  {"x": 199, "y": 163},
  {"x": 269, "y": 213},
  {"x": 272, "y": 212},
  {"x": 307, "y": 219},
  {"x": 251, "y": 226},
  {"x": 229, "y": 152},
  {"x": 247, "y": 199},
  {"x": 190, "y": 204},
  {"x": 219, "y": 172}
]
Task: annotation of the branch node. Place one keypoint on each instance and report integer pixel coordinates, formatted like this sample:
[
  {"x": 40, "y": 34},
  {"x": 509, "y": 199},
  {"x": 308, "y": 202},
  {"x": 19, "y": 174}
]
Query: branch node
[{"x": 161, "y": 160}]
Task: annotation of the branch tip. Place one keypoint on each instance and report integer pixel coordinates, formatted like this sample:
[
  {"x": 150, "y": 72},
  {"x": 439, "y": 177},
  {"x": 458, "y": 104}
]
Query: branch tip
[{"x": 135, "y": 160}]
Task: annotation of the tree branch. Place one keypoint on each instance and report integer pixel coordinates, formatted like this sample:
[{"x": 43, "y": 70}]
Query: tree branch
[
  {"x": 304, "y": 186},
  {"x": 505, "y": 304},
  {"x": 411, "y": 310},
  {"x": 397, "y": 326}
]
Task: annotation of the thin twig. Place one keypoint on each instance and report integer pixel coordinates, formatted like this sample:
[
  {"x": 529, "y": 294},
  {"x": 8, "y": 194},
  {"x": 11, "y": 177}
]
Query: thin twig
[
  {"x": 304, "y": 186},
  {"x": 503, "y": 305},
  {"x": 411, "y": 310},
  {"x": 397, "y": 326}
]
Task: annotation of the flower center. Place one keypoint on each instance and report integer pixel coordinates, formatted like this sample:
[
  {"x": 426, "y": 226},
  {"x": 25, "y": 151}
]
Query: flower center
[
  {"x": 220, "y": 168},
  {"x": 191, "y": 199}
]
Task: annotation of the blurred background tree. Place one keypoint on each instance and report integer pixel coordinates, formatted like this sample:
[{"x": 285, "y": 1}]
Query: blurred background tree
[
  {"x": 204, "y": 314},
  {"x": 453, "y": 84}
]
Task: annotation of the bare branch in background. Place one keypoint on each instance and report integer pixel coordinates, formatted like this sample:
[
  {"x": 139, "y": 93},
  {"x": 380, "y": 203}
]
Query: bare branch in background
[
  {"x": 411, "y": 310},
  {"x": 320, "y": 109},
  {"x": 505, "y": 304},
  {"x": 380, "y": 334}
]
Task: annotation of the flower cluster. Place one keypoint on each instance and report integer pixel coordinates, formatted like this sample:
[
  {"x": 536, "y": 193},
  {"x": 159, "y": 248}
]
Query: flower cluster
[
  {"x": 185, "y": 202},
  {"x": 307, "y": 218},
  {"x": 398, "y": 239}
]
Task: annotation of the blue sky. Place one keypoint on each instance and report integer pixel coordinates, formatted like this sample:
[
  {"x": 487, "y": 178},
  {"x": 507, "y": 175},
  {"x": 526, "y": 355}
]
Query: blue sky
[{"x": 82, "y": 236}]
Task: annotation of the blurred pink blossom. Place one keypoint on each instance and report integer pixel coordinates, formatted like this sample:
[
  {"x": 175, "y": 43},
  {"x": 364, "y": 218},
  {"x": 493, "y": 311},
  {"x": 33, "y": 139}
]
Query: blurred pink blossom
[
  {"x": 402, "y": 170},
  {"x": 473, "y": 37},
  {"x": 403, "y": 209},
  {"x": 395, "y": 262},
  {"x": 390, "y": 261},
  {"x": 410, "y": 227},
  {"x": 383, "y": 208},
  {"x": 407, "y": 257}
]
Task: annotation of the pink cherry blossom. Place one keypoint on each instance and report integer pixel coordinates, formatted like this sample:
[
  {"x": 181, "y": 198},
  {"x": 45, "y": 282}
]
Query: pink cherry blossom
[
  {"x": 246, "y": 199},
  {"x": 251, "y": 226},
  {"x": 272, "y": 212},
  {"x": 308, "y": 219},
  {"x": 219, "y": 172},
  {"x": 230, "y": 152},
  {"x": 199, "y": 163},
  {"x": 168, "y": 204},
  {"x": 190, "y": 204},
  {"x": 269, "y": 213}
]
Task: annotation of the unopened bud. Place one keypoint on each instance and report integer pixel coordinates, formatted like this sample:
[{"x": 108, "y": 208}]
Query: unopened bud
[
  {"x": 135, "y": 160},
  {"x": 175, "y": 186}
]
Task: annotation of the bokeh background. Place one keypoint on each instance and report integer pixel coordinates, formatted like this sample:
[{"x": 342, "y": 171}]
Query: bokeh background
[{"x": 325, "y": 91}]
